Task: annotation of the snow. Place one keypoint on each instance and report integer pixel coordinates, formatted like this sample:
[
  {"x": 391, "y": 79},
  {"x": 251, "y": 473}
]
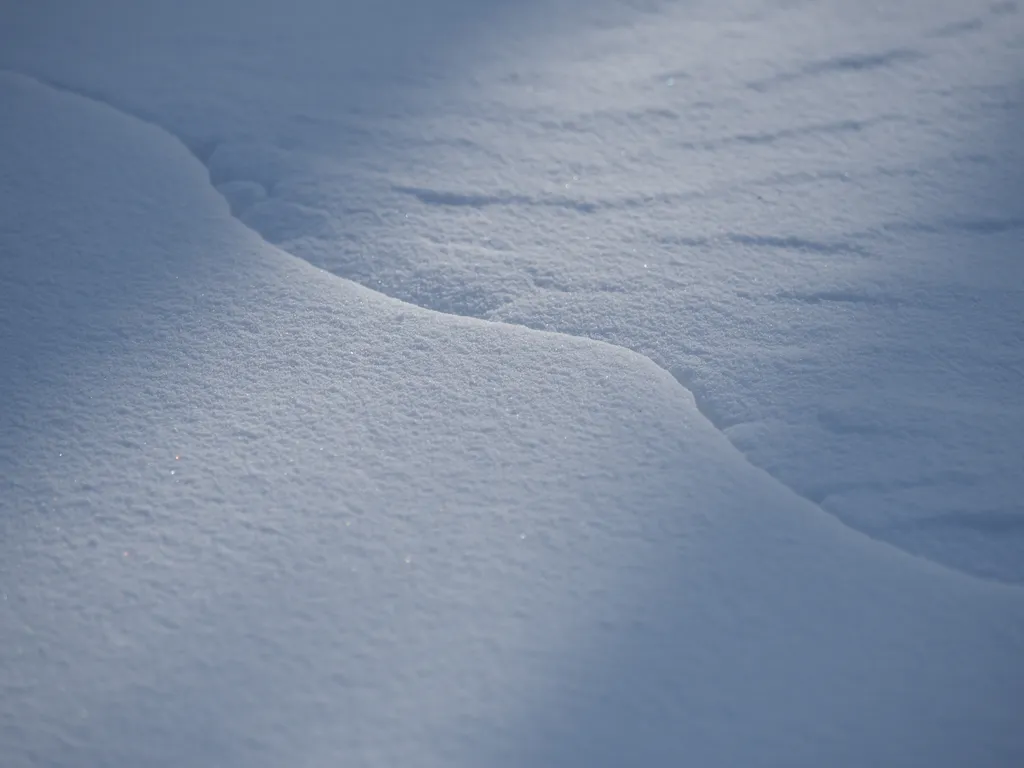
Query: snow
[{"x": 664, "y": 306}]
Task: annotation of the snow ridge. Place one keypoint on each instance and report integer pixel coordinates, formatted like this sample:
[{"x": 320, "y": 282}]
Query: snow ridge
[
  {"x": 457, "y": 199},
  {"x": 365, "y": 554}
]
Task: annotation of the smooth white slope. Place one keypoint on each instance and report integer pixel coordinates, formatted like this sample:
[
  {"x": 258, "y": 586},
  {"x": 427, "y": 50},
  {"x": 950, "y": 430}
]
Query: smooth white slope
[
  {"x": 254, "y": 515},
  {"x": 809, "y": 212}
]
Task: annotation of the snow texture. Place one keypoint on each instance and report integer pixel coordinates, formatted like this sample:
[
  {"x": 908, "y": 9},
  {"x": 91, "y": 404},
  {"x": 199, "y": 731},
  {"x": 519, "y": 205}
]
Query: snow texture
[
  {"x": 254, "y": 513},
  {"x": 810, "y": 214}
]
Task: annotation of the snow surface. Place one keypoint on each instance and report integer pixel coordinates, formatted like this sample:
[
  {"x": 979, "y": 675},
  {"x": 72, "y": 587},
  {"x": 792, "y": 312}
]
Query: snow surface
[
  {"x": 811, "y": 213},
  {"x": 255, "y": 514}
]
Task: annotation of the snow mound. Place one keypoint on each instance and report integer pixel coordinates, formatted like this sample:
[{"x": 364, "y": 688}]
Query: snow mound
[
  {"x": 810, "y": 213},
  {"x": 253, "y": 514}
]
